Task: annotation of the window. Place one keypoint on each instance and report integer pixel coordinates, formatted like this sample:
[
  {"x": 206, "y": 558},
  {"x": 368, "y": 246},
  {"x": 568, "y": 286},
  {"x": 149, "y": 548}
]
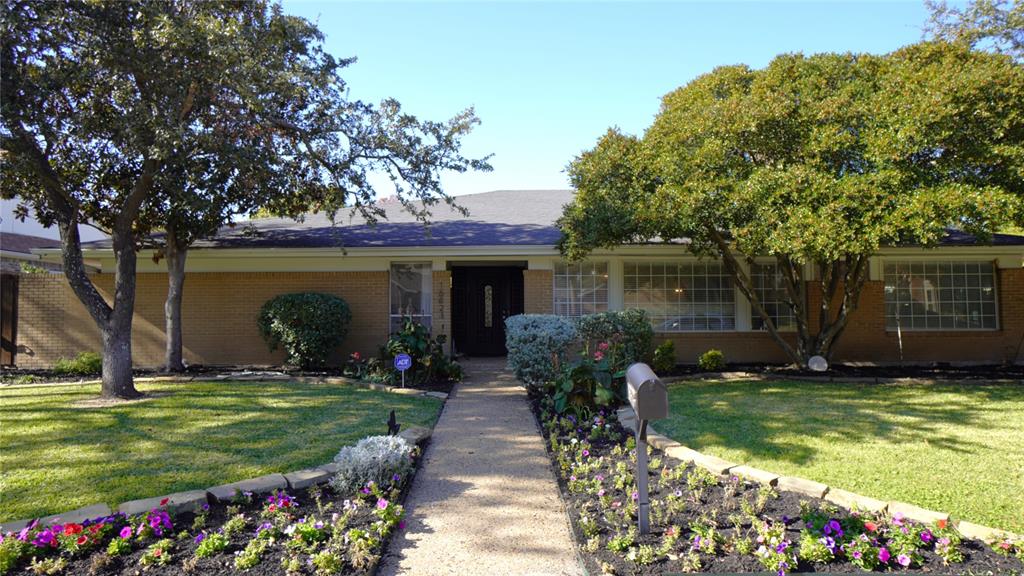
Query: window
[
  {"x": 681, "y": 297},
  {"x": 771, "y": 291},
  {"x": 940, "y": 295},
  {"x": 410, "y": 293},
  {"x": 581, "y": 288}
]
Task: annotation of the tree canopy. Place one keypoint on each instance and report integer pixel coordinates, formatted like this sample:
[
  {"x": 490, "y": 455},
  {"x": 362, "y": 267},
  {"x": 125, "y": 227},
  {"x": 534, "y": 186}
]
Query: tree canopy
[
  {"x": 147, "y": 115},
  {"x": 816, "y": 161}
]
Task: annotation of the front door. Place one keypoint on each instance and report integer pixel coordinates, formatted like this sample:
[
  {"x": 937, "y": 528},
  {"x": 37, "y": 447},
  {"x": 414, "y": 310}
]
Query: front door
[{"x": 482, "y": 297}]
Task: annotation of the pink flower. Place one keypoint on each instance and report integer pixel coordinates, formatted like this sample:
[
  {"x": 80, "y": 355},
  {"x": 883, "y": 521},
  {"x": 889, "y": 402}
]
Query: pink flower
[
  {"x": 602, "y": 346},
  {"x": 903, "y": 560},
  {"x": 598, "y": 355},
  {"x": 883, "y": 555},
  {"x": 586, "y": 452},
  {"x": 382, "y": 503}
]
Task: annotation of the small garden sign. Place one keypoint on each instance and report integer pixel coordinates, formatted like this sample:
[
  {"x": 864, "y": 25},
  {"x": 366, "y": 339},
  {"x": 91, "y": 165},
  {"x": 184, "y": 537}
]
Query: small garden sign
[{"x": 402, "y": 363}]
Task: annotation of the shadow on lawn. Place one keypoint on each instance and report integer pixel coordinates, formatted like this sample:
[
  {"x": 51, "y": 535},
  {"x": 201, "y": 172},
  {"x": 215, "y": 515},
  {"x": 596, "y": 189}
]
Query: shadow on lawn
[
  {"x": 760, "y": 418},
  {"x": 199, "y": 436}
]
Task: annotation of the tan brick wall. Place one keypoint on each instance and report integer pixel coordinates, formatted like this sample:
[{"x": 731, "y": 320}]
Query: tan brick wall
[
  {"x": 442, "y": 306},
  {"x": 219, "y": 314},
  {"x": 220, "y": 310},
  {"x": 537, "y": 291}
]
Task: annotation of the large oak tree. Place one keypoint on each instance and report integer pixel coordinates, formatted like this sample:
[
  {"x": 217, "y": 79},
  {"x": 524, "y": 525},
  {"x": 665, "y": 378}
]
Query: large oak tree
[
  {"x": 146, "y": 115},
  {"x": 817, "y": 162}
]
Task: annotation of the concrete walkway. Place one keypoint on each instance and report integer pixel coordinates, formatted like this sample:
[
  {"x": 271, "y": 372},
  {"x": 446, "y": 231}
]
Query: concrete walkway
[{"x": 485, "y": 501}]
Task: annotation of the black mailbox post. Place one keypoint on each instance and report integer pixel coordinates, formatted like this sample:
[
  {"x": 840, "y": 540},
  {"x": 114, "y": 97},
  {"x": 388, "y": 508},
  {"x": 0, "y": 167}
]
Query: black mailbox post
[{"x": 649, "y": 399}]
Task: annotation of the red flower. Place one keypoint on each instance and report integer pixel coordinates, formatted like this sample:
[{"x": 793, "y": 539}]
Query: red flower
[
  {"x": 82, "y": 540},
  {"x": 164, "y": 501},
  {"x": 72, "y": 529},
  {"x": 95, "y": 528},
  {"x": 356, "y": 356},
  {"x": 272, "y": 507},
  {"x": 158, "y": 552},
  {"x": 941, "y": 524},
  {"x": 870, "y": 526}
]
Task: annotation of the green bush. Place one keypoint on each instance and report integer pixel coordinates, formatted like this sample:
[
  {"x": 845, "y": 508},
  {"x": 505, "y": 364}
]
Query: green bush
[
  {"x": 429, "y": 361},
  {"x": 665, "y": 357},
  {"x": 85, "y": 364},
  {"x": 711, "y": 361},
  {"x": 309, "y": 326},
  {"x": 538, "y": 344},
  {"x": 628, "y": 334}
]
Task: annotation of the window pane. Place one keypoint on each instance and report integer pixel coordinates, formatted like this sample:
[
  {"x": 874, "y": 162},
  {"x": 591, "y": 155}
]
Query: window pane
[
  {"x": 580, "y": 288},
  {"x": 682, "y": 297},
  {"x": 940, "y": 296},
  {"x": 411, "y": 286},
  {"x": 770, "y": 290}
]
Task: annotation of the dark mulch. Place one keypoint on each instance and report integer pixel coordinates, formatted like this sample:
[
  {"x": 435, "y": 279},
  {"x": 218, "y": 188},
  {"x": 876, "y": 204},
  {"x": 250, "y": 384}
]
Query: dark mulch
[
  {"x": 183, "y": 559},
  {"x": 938, "y": 371},
  {"x": 720, "y": 502},
  {"x": 9, "y": 375}
]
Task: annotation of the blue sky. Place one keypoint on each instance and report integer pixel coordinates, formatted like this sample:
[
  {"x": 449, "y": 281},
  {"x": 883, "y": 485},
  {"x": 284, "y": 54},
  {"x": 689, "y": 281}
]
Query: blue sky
[{"x": 547, "y": 79}]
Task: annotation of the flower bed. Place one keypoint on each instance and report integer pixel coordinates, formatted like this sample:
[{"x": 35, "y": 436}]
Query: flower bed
[
  {"x": 320, "y": 531},
  {"x": 704, "y": 523}
]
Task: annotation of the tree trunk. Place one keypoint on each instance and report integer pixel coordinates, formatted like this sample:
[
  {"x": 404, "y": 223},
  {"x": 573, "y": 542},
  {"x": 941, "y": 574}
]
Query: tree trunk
[
  {"x": 175, "y": 254},
  {"x": 117, "y": 363}
]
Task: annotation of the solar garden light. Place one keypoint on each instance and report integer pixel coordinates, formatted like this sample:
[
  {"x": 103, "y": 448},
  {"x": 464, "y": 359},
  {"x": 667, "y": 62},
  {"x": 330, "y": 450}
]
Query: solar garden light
[{"x": 649, "y": 399}]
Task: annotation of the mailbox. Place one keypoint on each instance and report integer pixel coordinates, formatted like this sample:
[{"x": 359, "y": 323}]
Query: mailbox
[{"x": 648, "y": 396}]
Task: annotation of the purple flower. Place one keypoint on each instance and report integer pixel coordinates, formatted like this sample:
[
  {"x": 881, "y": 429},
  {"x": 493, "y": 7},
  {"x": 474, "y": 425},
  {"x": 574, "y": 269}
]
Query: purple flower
[
  {"x": 126, "y": 532},
  {"x": 600, "y": 493},
  {"x": 897, "y": 519},
  {"x": 857, "y": 554},
  {"x": 599, "y": 478},
  {"x": 382, "y": 503},
  {"x": 396, "y": 478},
  {"x": 903, "y": 560},
  {"x": 636, "y": 496},
  {"x": 926, "y": 536},
  {"x": 781, "y": 547},
  {"x": 883, "y": 555},
  {"x": 586, "y": 452},
  {"x": 206, "y": 507},
  {"x": 401, "y": 524},
  {"x": 200, "y": 537},
  {"x": 696, "y": 543}
]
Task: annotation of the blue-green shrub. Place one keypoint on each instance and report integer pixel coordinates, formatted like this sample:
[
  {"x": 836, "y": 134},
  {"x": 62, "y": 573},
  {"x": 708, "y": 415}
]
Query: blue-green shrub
[
  {"x": 627, "y": 334},
  {"x": 308, "y": 325},
  {"x": 538, "y": 345}
]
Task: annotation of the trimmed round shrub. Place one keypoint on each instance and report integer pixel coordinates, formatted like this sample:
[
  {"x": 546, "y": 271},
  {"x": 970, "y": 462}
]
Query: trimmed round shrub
[
  {"x": 628, "y": 332},
  {"x": 537, "y": 345},
  {"x": 308, "y": 325},
  {"x": 711, "y": 361},
  {"x": 664, "y": 357},
  {"x": 373, "y": 459}
]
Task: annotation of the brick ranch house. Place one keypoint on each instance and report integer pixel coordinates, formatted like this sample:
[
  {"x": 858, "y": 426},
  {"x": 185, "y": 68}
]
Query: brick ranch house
[{"x": 960, "y": 303}]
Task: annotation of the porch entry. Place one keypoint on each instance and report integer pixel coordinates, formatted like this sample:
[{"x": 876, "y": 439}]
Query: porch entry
[{"x": 482, "y": 297}]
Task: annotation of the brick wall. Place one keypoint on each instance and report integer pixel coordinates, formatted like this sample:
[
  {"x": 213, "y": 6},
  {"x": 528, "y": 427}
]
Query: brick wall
[
  {"x": 220, "y": 310},
  {"x": 537, "y": 291},
  {"x": 442, "y": 306},
  {"x": 219, "y": 314}
]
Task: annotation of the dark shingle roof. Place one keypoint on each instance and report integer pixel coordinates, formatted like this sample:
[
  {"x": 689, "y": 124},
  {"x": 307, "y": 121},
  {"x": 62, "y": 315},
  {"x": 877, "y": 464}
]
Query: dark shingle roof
[
  {"x": 498, "y": 218},
  {"x": 23, "y": 243},
  {"x": 502, "y": 217}
]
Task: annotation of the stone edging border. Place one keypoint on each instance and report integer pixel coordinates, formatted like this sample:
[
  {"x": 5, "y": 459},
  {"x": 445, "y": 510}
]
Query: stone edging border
[
  {"x": 806, "y": 487},
  {"x": 193, "y": 500}
]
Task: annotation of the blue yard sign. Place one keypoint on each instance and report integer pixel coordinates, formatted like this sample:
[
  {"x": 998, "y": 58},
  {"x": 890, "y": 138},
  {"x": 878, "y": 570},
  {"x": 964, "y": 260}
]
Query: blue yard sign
[{"x": 402, "y": 363}]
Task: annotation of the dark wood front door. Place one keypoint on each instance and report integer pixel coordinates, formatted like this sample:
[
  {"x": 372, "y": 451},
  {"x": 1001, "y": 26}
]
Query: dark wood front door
[{"x": 482, "y": 297}]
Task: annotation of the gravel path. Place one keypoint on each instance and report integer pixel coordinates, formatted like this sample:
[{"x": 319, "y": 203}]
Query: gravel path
[{"x": 485, "y": 501}]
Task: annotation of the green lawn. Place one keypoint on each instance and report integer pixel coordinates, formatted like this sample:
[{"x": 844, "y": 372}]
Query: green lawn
[
  {"x": 56, "y": 457},
  {"x": 950, "y": 447}
]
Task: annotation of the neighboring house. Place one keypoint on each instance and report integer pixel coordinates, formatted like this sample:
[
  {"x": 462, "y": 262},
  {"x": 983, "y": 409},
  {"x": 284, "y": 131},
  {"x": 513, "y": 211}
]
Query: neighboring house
[
  {"x": 961, "y": 302},
  {"x": 16, "y": 258}
]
